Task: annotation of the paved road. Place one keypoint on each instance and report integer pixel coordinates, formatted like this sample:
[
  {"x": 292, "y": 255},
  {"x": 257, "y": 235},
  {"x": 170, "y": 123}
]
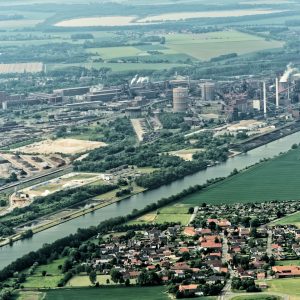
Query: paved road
[
  {"x": 269, "y": 243},
  {"x": 226, "y": 292}
]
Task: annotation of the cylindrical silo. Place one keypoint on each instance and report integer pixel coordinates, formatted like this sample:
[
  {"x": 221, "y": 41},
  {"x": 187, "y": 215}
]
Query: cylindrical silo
[{"x": 180, "y": 99}]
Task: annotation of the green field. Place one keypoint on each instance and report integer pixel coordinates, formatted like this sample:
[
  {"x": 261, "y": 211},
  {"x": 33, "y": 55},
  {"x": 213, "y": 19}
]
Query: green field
[
  {"x": 277, "y": 179},
  {"x": 117, "y": 67},
  {"x": 145, "y": 293},
  {"x": 208, "y": 45},
  {"x": 257, "y": 297},
  {"x": 180, "y": 49},
  {"x": 115, "y": 52},
  {"x": 51, "y": 279},
  {"x": 293, "y": 219},
  {"x": 289, "y": 287},
  {"x": 42, "y": 281},
  {"x": 288, "y": 263},
  {"x": 176, "y": 213},
  {"x": 51, "y": 268}
]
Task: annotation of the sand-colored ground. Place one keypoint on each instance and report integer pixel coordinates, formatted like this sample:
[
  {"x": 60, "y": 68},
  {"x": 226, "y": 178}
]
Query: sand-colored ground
[
  {"x": 67, "y": 181},
  {"x": 21, "y": 68},
  {"x": 206, "y": 14},
  {"x": 65, "y": 146},
  {"x": 147, "y": 218},
  {"x": 139, "y": 128},
  {"x": 132, "y": 20},
  {"x": 98, "y": 21},
  {"x": 186, "y": 154}
]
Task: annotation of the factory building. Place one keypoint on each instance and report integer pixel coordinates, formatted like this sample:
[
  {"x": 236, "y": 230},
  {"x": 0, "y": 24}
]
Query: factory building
[
  {"x": 133, "y": 112},
  {"x": 32, "y": 99},
  {"x": 180, "y": 99},
  {"x": 71, "y": 92},
  {"x": 208, "y": 91}
]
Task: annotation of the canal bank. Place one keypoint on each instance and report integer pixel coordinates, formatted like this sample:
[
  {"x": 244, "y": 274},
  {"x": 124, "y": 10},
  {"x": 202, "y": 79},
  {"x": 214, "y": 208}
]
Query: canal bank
[{"x": 9, "y": 254}]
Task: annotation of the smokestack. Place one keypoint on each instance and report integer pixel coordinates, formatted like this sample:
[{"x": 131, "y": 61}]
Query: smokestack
[
  {"x": 277, "y": 92},
  {"x": 265, "y": 98}
]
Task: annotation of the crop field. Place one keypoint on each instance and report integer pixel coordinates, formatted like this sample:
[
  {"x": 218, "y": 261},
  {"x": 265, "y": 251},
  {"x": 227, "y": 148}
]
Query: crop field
[
  {"x": 145, "y": 293},
  {"x": 115, "y": 52},
  {"x": 132, "y": 20},
  {"x": 198, "y": 46},
  {"x": 21, "y": 68},
  {"x": 84, "y": 281},
  {"x": 277, "y": 179},
  {"x": 288, "y": 286},
  {"x": 177, "y": 213},
  {"x": 205, "y": 14},
  {"x": 293, "y": 219},
  {"x": 65, "y": 146},
  {"x": 71, "y": 180},
  {"x": 208, "y": 45}
]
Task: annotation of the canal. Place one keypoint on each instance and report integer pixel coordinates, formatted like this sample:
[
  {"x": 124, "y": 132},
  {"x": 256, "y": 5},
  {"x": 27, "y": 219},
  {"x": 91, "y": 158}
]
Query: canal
[{"x": 19, "y": 248}]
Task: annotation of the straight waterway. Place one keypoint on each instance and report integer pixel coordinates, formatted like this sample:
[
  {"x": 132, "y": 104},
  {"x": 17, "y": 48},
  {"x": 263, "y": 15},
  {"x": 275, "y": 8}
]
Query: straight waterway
[{"x": 22, "y": 247}]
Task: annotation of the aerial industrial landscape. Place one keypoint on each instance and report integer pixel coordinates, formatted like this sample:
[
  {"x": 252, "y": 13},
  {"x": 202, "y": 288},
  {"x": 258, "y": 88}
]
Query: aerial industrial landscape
[{"x": 149, "y": 150}]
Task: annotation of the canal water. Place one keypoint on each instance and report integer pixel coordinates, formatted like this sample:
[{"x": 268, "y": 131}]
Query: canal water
[{"x": 19, "y": 248}]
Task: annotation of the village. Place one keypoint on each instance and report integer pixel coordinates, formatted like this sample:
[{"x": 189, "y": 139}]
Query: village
[{"x": 217, "y": 254}]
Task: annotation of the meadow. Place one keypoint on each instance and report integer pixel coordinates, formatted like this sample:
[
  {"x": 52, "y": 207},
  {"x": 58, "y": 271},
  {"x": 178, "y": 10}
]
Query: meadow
[
  {"x": 276, "y": 179},
  {"x": 176, "y": 213},
  {"x": 293, "y": 219},
  {"x": 179, "y": 49},
  {"x": 53, "y": 275},
  {"x": 145, "y": 293},
  {"x": 208, "y": 45},
  {"x": 290, "y": 286}
]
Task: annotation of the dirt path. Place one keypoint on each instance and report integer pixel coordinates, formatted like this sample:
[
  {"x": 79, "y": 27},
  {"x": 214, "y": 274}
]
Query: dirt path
[{"x": 193, "y": 216}]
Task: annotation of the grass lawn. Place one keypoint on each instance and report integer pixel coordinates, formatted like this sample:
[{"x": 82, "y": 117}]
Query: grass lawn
[
  {"x": 293, "y": 219},
  {"x": 209, "y": 45},
  {"x": 42, "y": 281},
  {"x": 147, "y": 170},
  {"x": 288, "y": 286},
  {"x": 175, "y": 209},
  {"x": 277, "y": 179},
  {"x": 51, "y": 279},
  {"x": 145, "y": 293},
  {"x": 170, "y": 218},
  {"x": 51, "y": 269},
  {"x": 176, "y": 213},
  {"x": 288, "y": 263}
]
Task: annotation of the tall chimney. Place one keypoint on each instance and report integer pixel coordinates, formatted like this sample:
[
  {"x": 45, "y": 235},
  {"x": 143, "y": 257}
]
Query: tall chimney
[
  {"x": 265, "y": 98},
  {"x": 277, "y": 92}
]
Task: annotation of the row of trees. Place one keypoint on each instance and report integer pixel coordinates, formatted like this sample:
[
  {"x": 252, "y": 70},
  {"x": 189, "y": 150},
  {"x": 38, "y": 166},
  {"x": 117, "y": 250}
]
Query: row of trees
[{"x": 51, "y": 203}]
